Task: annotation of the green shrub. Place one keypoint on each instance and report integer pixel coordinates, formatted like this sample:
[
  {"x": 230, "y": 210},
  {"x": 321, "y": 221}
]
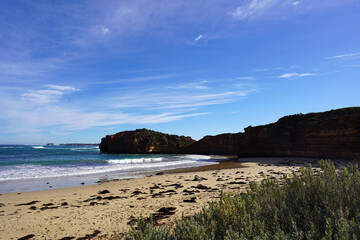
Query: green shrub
[
  {"x": 303, "y": 206},
  {"x": 147, "y": 231}
]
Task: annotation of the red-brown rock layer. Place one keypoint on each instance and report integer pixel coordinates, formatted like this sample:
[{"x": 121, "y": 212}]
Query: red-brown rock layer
[
  {"x": 331, "y": 134},
  {"x": 223, "y": 144}
]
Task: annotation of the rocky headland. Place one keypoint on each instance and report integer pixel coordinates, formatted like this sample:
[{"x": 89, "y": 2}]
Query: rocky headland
[
  {"x": 144, "y": 141},
  {"x": 331, "y": 134}
]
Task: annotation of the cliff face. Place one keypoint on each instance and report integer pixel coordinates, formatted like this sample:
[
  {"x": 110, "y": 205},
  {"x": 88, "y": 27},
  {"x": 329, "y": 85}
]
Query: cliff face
[
  {"x": 223, "y": 144},
  {"x": 144, "y": 141},
  {"x": 332, "y": 134}
]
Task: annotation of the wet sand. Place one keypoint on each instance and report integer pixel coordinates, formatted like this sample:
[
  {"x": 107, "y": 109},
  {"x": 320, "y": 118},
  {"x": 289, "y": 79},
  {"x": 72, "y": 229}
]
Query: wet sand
[{"x": 106, "y": 210}]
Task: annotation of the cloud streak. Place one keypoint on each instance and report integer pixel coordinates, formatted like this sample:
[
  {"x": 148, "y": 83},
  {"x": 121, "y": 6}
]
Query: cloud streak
[
  {"x": 349, "y": 55},
  {"x": 254, "y": 8},
  {"x": 136, "y": 79},
  {"x": 19, "y": 115},
  {"x": 51, "y": 93},
  {"x": 46, "y": 108},
  {"x": 184, "y": 100},
  {"x": 292, "y": 75},
  {"x": 198, "y": 38}
]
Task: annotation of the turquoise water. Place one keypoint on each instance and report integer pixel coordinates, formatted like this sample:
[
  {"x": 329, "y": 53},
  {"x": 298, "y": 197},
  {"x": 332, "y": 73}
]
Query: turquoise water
[{"x": 31, "y": 168}]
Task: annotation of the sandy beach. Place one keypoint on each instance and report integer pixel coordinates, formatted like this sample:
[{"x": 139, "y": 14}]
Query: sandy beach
[{"x": 106, "y": 210}]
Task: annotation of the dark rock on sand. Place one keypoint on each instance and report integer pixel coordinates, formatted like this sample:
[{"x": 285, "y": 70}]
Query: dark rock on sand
[
  {"x": 162, "y": 213},
  {"x": 48, "y": 204},
  {"x": 167, "y": 210},
  {"x": 137, "y": 192},
  {"x": 104, "y": 192},
  {"x": 46, "y": 208},
  {"x": 29, "y": 203},
  {"x": 190, "y": 192},
  {"x": 191, "y": 200},
  {"x": 199, "y": 179},
  {"x": 200, "y": 186},
  {"x": 30, "y": 236},
  {"x": 176, "y": 185},
  {"x": 67, "y": 238},
  {"x": 90, "y": 236},
  {"x": 240, "y": 182}
]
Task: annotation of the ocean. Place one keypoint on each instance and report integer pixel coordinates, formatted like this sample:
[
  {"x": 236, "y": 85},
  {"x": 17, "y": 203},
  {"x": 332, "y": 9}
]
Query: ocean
[{"x": 37, "y": 168}]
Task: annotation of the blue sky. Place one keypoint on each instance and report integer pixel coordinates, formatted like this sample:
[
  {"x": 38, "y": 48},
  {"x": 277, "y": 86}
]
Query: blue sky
[{"x": 75, "y": 71}]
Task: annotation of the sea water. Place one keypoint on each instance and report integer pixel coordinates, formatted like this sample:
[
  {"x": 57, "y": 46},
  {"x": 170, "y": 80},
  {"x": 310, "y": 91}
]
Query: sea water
[{"x": 34, "y": 168}]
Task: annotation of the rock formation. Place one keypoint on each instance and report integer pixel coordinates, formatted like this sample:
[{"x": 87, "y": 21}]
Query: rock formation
[
  {"x": 223, "y": 144},
  {"x": 331, "y": 134},
  {"x": 144, "y": 141}
]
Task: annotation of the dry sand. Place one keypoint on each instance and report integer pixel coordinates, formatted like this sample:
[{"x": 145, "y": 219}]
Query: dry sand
[{"x": 106, "y": 210}]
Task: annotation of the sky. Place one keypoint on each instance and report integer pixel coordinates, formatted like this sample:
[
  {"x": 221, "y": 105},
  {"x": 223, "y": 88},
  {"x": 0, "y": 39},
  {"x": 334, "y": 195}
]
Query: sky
[{"x": 75, "y": 71}]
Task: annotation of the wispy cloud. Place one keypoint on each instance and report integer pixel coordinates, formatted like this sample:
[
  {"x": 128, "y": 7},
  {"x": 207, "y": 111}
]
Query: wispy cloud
[
  {"x": 136, "y": 79},
  {"x": 34, "y": 68},
  {"x": 61, "y": 88},
  {"x": 291, "y": 75},
  {"x": 51, "y": 93},
  {"x": 179, "y": 101},
  {"x": 64, "y": 119},
  {"x": 46, "y": 108},
  {"x": 198, "y": 38},
  {"x": 193, "y": 86},
  {"x": 19, "y": 115},
  {"x": 348, "y": 55},
  {"x": 295, "y": 3},
  {"x": 251, "y": 9},
  {"x": 105, "y": 30}
]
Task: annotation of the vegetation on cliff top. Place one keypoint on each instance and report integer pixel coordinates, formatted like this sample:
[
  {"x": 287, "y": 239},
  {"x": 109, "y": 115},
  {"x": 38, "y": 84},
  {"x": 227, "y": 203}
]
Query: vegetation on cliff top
[
  {"x": 312, "y": 118},
  {"x": 305, "y": 206}
]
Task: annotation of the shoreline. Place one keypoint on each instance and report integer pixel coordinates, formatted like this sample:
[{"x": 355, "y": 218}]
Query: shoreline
[
  {"x": 108, "y": 209},
  {"x": 60, "y": 182},
  {"x": 50, "y": 183}
]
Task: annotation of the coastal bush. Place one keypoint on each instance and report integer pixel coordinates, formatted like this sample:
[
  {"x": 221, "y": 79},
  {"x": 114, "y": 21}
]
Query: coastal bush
[{"x": 303, "y": 206}]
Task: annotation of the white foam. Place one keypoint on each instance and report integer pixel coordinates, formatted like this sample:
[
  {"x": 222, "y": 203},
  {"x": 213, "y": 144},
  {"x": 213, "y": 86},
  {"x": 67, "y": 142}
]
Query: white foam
[
  {"x": 135, "y": 160},
  {"x": 39, "y": 172},
  {"x": 127, "y": 165},
  {"x": 197, "y": 157},
  {"x": 38, "y": 147}
]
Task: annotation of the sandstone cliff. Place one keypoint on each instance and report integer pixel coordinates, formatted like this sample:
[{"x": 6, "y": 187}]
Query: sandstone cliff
[
  {"x": 144, "y": 141},
  {"x": 223, "y": 144},
  {"x": 331, "y": 134}
]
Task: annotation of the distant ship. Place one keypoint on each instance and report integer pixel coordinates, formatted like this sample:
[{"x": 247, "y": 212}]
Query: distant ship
[{"x": 49, "y": 144}]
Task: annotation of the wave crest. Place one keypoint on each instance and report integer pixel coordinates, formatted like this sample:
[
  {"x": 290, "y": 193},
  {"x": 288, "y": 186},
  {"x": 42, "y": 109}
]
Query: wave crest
[{"x": 135, "y": 160}]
